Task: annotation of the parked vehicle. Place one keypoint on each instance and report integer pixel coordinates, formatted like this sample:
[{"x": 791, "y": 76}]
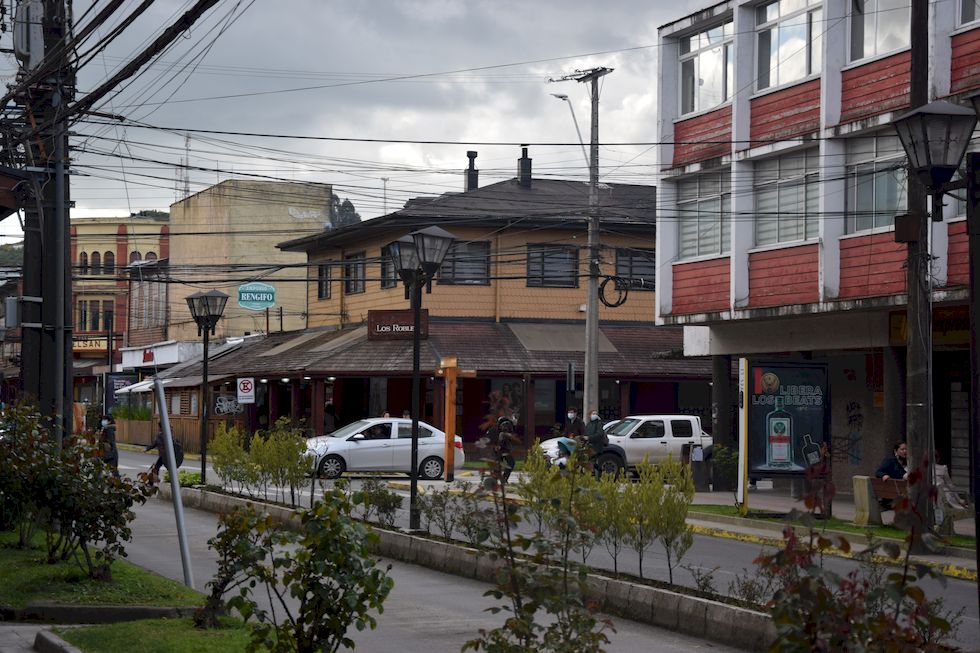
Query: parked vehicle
[
  {"x": 381, "y": 445},
  {"x": 644, "y": 437}
]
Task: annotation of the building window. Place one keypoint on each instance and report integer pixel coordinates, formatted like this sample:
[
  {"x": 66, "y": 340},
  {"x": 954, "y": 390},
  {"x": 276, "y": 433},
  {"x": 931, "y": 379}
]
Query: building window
[
  {"x": 639, "y": 266},
  {"x": 151, "y": 256},
  {"x": 707, "y": 78},
  {"x": 95, "y": 315},
  {"x": 135, "y": 256},
  {"x": 789, "y": 41},
  {"x": 467, "y": 263},
  {"x": 389, "y": 276},
  {"x": 108, "y": 263},
  {"x": 786, "y": 198},
  {"x": 323, "y": 272},
  {"x": 969, "y": 11},
  {"x": 83, "y": 263},
  {"x": 82, "y": 315},
  {"x": 108, "y": 314},
  {"x": 354, "y": 274},
  {"x": 96, "y": 263},
  {"x": 704, "y": 208},
  {"x": 552, "y": 266},
  {"x": 876, "y": 182},
  {"x": 879, "y": 26}
]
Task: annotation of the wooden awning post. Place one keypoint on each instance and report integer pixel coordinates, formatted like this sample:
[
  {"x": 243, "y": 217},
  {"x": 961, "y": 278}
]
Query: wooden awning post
[{"x": 449, "y": 371}]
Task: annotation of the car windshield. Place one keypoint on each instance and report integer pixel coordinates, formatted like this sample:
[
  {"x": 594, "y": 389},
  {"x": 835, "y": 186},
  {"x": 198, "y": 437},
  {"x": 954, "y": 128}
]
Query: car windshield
[
  {"x": 349, "y": 430},
  {"x": 623, "y": 427}
]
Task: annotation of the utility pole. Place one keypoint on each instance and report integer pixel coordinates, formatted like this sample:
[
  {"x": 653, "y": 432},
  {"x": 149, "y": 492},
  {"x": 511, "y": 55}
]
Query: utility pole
[
  {"x": 590, "y": 399},
  {"x": 384, "y": 210},
  {"x": 918, "y": 426}
]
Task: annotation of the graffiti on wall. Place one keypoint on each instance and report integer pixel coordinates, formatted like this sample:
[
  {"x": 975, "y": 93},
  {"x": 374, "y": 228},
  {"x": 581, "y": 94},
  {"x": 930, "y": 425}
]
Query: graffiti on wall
[
  {"x": 227, "y": 405},
  {"x": 847, "y": 447}
]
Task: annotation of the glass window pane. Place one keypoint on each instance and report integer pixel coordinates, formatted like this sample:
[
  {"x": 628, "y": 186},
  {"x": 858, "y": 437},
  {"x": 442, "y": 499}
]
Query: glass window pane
[
  {"x": 893, "y": 25},
  {"x": 812, "y": 207},
  {"x": 766, "y": 59},
  {"x": 816, "y": 41},
  {"x": 970, "y": 10},
  {"x": 714, "y": 36},
  {"x": 710, "y": 185},
  {"x": 767, "y": 216},
  {"x": 709, "y": 226},
  {"x": 766, "y": 171},
  {"x": 729, "y": 71},
  {"x": 787, "y": 7},
  {"x": 688, "y": 230},
  {"x": 792, "y": 56},
  {"x": 726, "y": 223},
  {"x": 860, "y": 149},
  {"x": 711, "y": 78},
  {"x": 687, "y": 190},
  {"x": 687, "y": 86},
  {"x": 862, "y": 28},
  {"x": 864, "y": 197},
  {"x": 765, "y": 13},
  {"x": 685, "y": 45},
  {"x": 791, "y": 211}
]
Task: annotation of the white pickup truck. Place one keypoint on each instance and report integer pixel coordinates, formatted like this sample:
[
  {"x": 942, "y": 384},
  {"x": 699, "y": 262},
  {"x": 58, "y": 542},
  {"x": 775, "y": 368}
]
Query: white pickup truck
[{"x": 645, "y": 437}]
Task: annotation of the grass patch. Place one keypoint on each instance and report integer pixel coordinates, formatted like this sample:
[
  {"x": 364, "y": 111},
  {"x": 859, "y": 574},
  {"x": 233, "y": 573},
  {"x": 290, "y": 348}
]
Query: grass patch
[
  {"x": 26, "y": 578},
  {"x": 833, "y": 524},
  {"x": 158, "y": 636}
]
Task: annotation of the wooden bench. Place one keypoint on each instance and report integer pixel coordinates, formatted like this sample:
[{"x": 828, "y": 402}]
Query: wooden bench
[{"x": 868, "y": 490}]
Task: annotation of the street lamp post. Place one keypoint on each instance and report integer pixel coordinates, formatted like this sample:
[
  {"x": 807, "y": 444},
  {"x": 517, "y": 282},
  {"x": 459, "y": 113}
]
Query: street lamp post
[
  {"x": 206, "y": 309},
  {"x": 935, "y": 137},
  {"x": 417, "y": 257}
]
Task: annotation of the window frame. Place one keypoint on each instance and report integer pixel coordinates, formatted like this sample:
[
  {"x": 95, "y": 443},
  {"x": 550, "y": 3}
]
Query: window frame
[
  {"x": 83, "y": 263},
  {"x": 808, "y": 225},
  {"x": 812, "y": 11},
  {"x": 694, "y": 53},
  {"x": 880, "y": 167},
  {"x": 324, "y": 280},
  {"x": 879, "y": 51},
  {"x": 723, "y": 215},
  {"x": 108, "y": 263},
  {"x": 625, "y": 265},
  {"x": 448, "y": 272},
  {"x": 83, "y": 314},
  {"x": 354, "y": 273},
  {"x": 543, "y": 280}
]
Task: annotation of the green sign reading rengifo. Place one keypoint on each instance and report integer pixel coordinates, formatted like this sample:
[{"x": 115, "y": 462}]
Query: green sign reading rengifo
[{"x": 256, "y": 296}]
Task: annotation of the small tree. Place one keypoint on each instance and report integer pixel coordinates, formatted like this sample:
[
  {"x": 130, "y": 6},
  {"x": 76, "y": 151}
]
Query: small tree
[
  {"x": 644, "y": 500},
  {"x": 617, "y": 517},
  {"x": 670, "y": 524},
  {"x": 537, "y": 487},
  {"x": 228, "y": 456}
]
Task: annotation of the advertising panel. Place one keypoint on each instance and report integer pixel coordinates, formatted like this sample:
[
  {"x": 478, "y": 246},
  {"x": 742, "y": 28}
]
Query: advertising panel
[
  {"x": 116, "y": 381},
  {"x": 787, "y": 416}
]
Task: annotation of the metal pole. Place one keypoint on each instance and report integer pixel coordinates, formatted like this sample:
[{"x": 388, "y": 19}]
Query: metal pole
[
  {"x": 185, "y": 554},
  {"x": 63, "y": 280},
  {"x": 919, "y": 413},
  {"x": 973, "y": 240},
  {"x": 205, "y": 401},
  {"x": 414, "y": 521},
  {"x": 591, "y": 395}
]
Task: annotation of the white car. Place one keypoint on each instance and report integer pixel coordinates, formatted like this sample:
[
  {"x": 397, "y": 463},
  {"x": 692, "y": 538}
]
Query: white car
[
  {"x": 643, "y": 437},
  {"x": 382, "y": 444}
]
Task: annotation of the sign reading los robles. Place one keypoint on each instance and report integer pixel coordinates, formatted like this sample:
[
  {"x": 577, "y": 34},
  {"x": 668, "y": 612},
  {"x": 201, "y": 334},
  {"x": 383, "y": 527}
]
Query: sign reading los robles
[
  {"x": 396, "y": 325},
  {"x": 256, "y": 296}
]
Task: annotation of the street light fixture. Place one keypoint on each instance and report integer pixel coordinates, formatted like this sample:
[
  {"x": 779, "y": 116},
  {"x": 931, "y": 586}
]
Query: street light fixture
[
  {"x": 417, "y": 257},
  {"x": 206, "y": 309},
  {"x": 935, "y": 137}
]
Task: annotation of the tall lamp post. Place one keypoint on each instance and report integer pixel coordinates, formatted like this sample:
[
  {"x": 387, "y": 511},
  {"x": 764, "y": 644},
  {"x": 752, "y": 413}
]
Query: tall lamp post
[
  {"x": 206, "y": 309},
  {"x": 417, "y": 257},
  {"x": 935, "y": 137}
]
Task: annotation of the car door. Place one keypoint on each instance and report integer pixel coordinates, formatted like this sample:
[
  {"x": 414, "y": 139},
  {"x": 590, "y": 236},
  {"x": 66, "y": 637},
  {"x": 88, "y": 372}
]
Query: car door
[
  {"x": 403, "y": 445},
  {"x": 373, "y": 451},
  {"x": 682, "y": 433},
  {"x": 648, "y": 442}
]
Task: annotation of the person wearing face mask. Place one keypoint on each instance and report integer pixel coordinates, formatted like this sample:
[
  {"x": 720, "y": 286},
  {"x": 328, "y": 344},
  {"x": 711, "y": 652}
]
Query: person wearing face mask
[
  {"x": 595, "y": 433},
  {"x": 574, "y": 427},
  {"x": 107, "y": 440}
]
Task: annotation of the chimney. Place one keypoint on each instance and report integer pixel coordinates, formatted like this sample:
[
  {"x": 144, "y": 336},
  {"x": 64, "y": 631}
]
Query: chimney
[
  {"x": 524, "y": 168},
  {"x": 472, "y": 174}
]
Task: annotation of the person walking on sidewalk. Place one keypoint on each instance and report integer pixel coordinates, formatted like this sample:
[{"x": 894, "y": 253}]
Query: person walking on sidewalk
[
  {"x": 160, "y": 444},
  {"x": 501, "y": 436},
  {"x": 107, "y": 442}
]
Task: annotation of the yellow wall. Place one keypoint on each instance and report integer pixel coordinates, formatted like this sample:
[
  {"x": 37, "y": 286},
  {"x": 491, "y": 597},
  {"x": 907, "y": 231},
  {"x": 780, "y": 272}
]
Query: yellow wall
[
  {"x": 503, "y": 299},
  {"x": 240, "y": 222}
]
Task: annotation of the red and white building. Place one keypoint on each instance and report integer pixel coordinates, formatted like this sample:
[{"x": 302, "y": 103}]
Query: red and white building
[{"x": 780, "y": 180}]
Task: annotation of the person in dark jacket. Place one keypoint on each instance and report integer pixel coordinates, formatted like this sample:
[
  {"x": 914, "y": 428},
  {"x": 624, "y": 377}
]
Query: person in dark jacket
[
  {"x": 502, "y": 437},
  {"x": 574, "y": 427},
  {"x": 595, "y": 434},
  {"x": 107, "y": 442},
  {"x": 895, "y": 466},
  {"x": 160, "y": 444}
]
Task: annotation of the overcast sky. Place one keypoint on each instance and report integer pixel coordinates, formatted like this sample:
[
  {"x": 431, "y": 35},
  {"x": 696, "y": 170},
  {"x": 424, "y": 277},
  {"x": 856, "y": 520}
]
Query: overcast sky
[{"x": 259, "y": 51}]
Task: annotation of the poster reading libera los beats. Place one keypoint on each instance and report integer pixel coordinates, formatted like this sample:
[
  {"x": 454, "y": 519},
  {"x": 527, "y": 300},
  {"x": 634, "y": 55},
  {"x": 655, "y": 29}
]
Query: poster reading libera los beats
[{"x": 787, "y": 416}]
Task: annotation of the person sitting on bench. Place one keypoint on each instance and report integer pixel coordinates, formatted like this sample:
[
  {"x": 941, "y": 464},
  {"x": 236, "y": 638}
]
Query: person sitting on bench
[{"x": 893, "y": 467}]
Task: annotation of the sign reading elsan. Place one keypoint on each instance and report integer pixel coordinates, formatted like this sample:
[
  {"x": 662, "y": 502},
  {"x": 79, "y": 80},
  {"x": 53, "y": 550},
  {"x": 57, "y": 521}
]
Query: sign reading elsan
[{"x": 256, "y": 296}]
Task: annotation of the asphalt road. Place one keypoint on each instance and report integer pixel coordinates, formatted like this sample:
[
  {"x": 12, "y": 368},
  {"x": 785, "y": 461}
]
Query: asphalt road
[{"x": 729, "y": 560}]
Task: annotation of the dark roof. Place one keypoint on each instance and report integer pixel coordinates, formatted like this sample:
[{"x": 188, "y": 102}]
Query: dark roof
[
  {"x": 547, "y": 202},
  {"x": 652, "y": 352}
]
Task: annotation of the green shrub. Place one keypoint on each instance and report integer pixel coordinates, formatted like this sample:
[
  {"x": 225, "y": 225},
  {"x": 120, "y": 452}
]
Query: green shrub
[
  {"x": 185, "y": 478},
  {"x": 128, "y": 411},
  {"x": 378, "y": 499}
]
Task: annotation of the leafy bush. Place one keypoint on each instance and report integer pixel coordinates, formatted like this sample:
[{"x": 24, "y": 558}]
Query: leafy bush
[
  {"x": 276, "y": 458},
  {"x": 378, "y": 499},
  {"x": 185, "y": 478},
  {"x": 442, "y": 508},
  {"x": 133, "y": 412}
]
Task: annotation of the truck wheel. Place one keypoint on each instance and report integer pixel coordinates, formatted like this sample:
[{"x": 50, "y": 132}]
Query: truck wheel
[{"x": 609, "y": 463}]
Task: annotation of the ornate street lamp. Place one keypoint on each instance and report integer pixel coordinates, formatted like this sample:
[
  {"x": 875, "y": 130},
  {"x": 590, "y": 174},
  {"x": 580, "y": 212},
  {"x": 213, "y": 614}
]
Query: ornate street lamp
[
  {"x": 935, "y": 137},
  {"x": 417, "y": 257},
  {"x": 206, "y": 309}
]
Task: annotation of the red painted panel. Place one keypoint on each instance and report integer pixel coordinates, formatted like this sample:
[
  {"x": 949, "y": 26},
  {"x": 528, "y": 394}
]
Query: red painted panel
[
  {"x": 787, "y": 113},
  {"x": 779, "y": 277},
  {"x": 875, "y": 88},
  {"x": 872, "y": 266},
  {"x": 965, "y": 62},
  {"x": 958, "y": 255},
  {"x": 703, "y": 137},
  {"x": 701, "y": 286}
]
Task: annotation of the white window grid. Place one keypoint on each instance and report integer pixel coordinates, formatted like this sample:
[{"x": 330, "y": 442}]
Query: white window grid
[
  {"x": 788, "y": 42},
  {"x": 877, "y": 182},
  {"x": 878, "y": 27},
  {"x": 704, "y": 209},
  {"x": 787, "y": 196},
  {"x": 706, "y": 58}
]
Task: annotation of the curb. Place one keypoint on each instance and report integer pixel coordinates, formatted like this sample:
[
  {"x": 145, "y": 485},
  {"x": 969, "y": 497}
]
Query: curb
[
  {"x": 690, "y": 615},
  {"x": 60, "y": 613},
  {"x": 48, "y": 642}
]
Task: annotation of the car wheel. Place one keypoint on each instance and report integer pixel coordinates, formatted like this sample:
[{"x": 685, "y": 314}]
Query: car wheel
[
  {"x": 332, "y": 466},
  {"x": 609, "y": 463},
  {"x": 431, "y": 469}
]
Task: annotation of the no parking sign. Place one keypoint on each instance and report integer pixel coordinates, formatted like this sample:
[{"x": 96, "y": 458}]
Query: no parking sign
[{"x": 246, "y": 391}]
